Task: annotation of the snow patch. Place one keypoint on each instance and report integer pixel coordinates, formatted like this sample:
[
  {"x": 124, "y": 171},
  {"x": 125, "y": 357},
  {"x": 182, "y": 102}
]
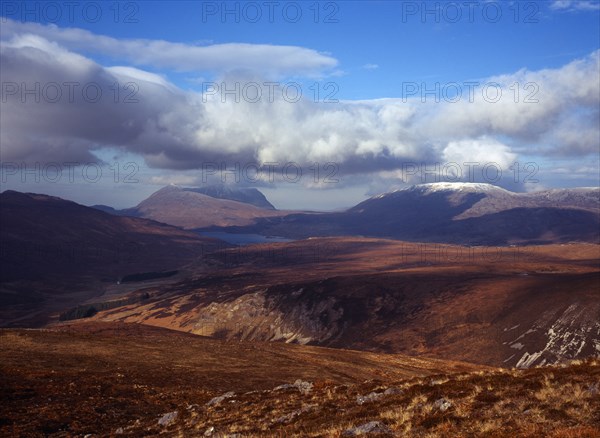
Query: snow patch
[
  {"x": 458, "y": 186},
  {"x": 566, "y": 337}
]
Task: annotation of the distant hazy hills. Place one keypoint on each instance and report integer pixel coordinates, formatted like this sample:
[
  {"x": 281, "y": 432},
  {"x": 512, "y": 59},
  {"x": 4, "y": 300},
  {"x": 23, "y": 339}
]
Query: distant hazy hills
[{"x": 467, "y": 213}]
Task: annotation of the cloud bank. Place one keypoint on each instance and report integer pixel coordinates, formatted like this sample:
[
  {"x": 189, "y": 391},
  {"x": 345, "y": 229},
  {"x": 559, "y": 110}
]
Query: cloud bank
[{"x": 553, "y": 112}]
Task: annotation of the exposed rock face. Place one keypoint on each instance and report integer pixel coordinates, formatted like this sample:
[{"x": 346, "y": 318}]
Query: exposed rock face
[
  {"x": 220, "y": 399},
  {"x": 380, "y": 295},
  {"x": 562, "y": 333},
  {"x": 258, "y": 316},
  {"x": 442, "y": 404},
  {"x": 302, "y": 386},
  {"x": 566, "y": 329},
  {"x": 371, "y": 397}
]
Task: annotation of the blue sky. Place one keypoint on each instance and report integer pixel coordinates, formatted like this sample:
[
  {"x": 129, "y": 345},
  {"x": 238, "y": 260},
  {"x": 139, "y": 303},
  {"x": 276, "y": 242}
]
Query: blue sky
[
  {"x": 406, "y": 42},
  {"x": 367, "y": 55}
]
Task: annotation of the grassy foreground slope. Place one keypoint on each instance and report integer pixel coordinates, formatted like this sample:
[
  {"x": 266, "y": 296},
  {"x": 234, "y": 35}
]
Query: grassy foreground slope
[
  {"x": 105, "y": 379},
  {"x": 96, "y": 377}
]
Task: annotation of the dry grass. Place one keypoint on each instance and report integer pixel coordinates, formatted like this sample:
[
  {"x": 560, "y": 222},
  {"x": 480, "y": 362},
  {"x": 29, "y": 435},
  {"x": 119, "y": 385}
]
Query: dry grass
[
  {"x": 489, "y": 404},
  {"x": 128, "y": 382}
]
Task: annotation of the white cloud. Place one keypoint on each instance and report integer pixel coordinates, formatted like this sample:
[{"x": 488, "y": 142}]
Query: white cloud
[
  {"x": 547, "y": 102},
  {"x": 482, "y": 150},
  {"x": 271, "y": 60},
  {"x": 136, "y": 74},
  {"x": 370, "y": 66},
  {"x": 575, "y": 5}
]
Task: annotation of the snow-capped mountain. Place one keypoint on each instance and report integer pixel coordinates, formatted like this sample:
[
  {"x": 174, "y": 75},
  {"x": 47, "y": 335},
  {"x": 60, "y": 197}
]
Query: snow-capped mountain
[{"x": 466, "y": 213}]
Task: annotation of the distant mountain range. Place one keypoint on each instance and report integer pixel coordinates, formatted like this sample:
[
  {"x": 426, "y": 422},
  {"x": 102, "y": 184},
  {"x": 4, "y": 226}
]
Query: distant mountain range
[{"x": 466, "y": 213}]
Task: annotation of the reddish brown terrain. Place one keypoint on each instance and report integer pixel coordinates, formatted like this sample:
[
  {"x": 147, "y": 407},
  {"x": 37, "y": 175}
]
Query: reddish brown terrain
[
  {"x": 93, "y": 378},
  {"x": 153, "y": 330},
  {"x": 509, "y": 306},
  {"x": 111, "y": 379}
]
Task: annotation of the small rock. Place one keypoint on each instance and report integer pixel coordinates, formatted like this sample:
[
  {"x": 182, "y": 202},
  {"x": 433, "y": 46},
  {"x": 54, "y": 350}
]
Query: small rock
[
  {"x": 288, "y": 417},
  {"x": 168, "y": 418},
  {"x": 119, "y": 431},
  {"x": 372, "y": 427},
  {"x": 192, "y": 407},
  {"x": 284, "y": 386},
  {"x": 362, "y": 399},
  {"x": 303, "y": 386},
  {"x": 210, "y": 431},
  {"x": 219, "y": 399},
  {"x": 392, "y": 391},
  {"x": 442, "y": 404}
]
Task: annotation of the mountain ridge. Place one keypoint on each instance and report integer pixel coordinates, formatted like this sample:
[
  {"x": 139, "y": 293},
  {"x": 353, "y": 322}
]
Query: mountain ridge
[{"x": 465, "y": 213}]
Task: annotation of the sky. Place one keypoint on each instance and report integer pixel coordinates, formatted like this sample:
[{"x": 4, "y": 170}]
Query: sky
[{"x": 318, "y": 104}]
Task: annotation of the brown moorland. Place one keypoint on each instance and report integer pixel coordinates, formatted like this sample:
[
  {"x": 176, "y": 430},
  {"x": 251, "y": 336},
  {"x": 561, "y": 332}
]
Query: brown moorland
[
  {"x": 106, "y": 379},
  {"x": 500, "y": 306},
  {"x": 96, "y": 377}
]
